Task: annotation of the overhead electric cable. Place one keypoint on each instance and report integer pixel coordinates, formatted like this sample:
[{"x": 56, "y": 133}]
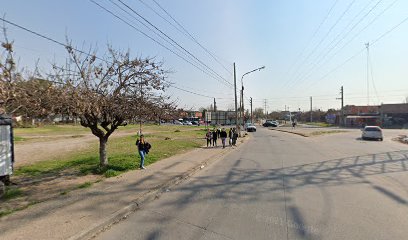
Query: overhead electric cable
[
  {"x": 323, "y": 39},
  {"x": 158, "y": 34},
  {"x": 311, "y": 38},
  {"x": 318, "y": 61},
  {"x": 171, "y": 39},
  {"x": 151, "y": 38},
  {"x": 190, "y": 35},
  {"x": 80, "y": 51},
  {"x": 362, "y": 50}
]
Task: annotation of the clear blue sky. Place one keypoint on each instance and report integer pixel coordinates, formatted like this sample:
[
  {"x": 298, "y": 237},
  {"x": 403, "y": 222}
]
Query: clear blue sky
[{"x": 301, "y": 58}]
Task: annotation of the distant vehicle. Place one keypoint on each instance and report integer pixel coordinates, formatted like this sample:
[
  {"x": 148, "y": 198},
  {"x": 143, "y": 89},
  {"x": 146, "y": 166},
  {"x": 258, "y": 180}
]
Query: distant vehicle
[
  {"x": 187, "y": 123},
  {"x": 195, "y": 123},
  {"x": 372, "y": 132},
  {"x": 270, "y": 124},
  {"x": 249, "y": 127},
  {"x": 178, "y": 122}
]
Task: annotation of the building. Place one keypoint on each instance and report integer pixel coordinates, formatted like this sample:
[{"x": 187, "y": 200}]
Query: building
[
  {"x": 394, "y": 115},
  {"x": 220, "y": 117},
  {"x": 384, "y": 115},
  {"x": 359, "y": 116}
]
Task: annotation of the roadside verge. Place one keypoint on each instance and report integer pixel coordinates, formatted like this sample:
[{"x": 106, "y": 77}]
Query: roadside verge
[{"x": 82, "y": 214}]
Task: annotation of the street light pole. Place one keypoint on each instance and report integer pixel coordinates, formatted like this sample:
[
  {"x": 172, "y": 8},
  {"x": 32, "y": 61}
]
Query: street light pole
[
  {"x": 242, "y": 90},
  {"x": 236, "y": 104}
]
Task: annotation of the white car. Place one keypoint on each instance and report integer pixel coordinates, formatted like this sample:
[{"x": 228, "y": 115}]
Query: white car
[
  {"x": 372, "y": 132},
  {"x": 249, "y": 127}
]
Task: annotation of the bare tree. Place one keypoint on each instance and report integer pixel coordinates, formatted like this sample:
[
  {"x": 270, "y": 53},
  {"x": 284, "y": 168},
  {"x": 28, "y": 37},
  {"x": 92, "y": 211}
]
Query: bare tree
[
  {"x": 8, "y": 76},
  {"x": 104, "y": 93}
]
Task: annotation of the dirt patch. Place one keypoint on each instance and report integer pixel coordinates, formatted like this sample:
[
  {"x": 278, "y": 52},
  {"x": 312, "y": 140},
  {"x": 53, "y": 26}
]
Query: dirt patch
[
  {"x": 401, "y": 139},
  {"x": 35, "y": 190}
]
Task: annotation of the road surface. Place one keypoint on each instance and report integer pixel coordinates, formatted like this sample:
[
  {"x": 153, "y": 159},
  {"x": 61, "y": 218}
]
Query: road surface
[{"x": 284, "y": 186}]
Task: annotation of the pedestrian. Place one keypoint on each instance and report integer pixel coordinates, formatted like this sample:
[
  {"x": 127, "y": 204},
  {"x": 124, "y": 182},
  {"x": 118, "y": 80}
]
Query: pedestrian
[
  {"x": 219, "y": 132},
  {"x": 214, "y": 137},
  {"x": 223, "y": 135},
  {"x": 234, "y": 137},
  {"x": 143, "y": 147},
  {"x": 230, "y": 136},
  {"x": 293, "y": 124},
  {"x": 208, "y": 137}
]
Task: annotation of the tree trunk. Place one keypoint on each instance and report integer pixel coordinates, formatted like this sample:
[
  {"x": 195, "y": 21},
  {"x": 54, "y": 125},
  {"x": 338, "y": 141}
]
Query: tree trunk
[{"x": 103, "y": 157}]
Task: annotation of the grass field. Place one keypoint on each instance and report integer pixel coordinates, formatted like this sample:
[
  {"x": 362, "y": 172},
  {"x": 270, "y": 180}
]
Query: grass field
[
  {"x": 81, "y": 168},
  {"x": 122, "y": 154},
  {"x": 320, "y": 124}
]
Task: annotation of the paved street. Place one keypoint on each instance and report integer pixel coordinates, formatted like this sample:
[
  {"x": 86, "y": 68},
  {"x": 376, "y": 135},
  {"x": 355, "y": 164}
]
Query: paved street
[{"x": 284, "y": 186}]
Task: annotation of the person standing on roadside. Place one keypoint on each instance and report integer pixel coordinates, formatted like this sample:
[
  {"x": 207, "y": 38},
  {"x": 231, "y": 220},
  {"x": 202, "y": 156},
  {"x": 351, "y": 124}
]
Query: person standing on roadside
[
  {"x": 214, "y": 137},
  {"x": 208, "y": 137},
  {"x": 143, "y": 147},
  {"x": 230, "y": 136},
  {"x": 223, "y": 135},
  {"x": 234, "y": 137}
]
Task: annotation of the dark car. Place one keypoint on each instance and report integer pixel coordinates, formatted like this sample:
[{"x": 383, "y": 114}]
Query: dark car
[{"x": 270, "y": 124}]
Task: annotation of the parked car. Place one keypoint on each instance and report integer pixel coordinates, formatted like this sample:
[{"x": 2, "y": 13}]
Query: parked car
[
  {"x": 178, "y": 122},
  {"x": 187, "y": 123},
  {"x": 372, "y": 132},
  {"x": 270, "y": 124},
  {"x": 249, "y": 127}
]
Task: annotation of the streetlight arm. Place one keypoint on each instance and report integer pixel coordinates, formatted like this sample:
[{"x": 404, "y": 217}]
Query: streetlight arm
[{"x": 258, "y": 69}]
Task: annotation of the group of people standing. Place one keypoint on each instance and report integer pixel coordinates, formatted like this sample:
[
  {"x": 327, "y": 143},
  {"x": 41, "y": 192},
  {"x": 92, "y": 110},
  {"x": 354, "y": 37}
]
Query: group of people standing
[{"x": 215, "y": 134}]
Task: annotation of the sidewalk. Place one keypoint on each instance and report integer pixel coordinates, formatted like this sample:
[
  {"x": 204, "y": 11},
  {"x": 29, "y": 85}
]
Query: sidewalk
[{"x": 83, "y": 213}]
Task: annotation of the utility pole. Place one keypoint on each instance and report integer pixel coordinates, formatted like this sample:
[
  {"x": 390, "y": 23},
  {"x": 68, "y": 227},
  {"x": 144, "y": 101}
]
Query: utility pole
[
  {"x": 290, "y": 115},
  {"x": 236, "y": 104},
  {"x": 252, "y": 119},
  {"x": 242, "y": 107},
  {"x": 266, "y": 114},
  {"x": 342, "y": 106},
  {"x": 311, "y": 109},
  {"x": 368, "y": 82},
  {"x": 215, "y": 112}
]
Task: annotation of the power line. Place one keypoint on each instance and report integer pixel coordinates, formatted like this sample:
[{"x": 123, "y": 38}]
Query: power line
[
  {"x": 185, "y": 32},
  {"x": 48, "y": 38},
  {"x": 151, "y": 38},
  {"x": 311, "y": 38},
  {"x": 360, "y": 51},
  {"x": 323, "y": 57},
  {"x": 172, "y": 40},
  {"x": 159, "y": 35},
  {"x": 337, "y": 38},
  {"x": 296, "y": 79},
  {"x": 80, "y": 51}
]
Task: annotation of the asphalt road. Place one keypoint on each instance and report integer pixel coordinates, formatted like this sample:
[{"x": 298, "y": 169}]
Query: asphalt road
[{"x": 284, "y": 186}]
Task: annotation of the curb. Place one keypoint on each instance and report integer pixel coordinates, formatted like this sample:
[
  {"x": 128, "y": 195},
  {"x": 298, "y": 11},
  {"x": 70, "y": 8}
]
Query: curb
[
  {"x": 149, "y": 196},
  {"x": 296, "y": 133}
]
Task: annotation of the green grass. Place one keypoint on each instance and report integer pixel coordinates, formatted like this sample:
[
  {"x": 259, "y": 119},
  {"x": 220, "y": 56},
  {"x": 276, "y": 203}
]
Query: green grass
[
  {"x": 318, "y": 133},
  {"x": 12, "y": 193},
  {"x": 122, "y": 154},
  {"x": 85, "y": 185},
  {"x": 320, "y": 124},
  {"x": 10, "y": 211},
  {"x": 52, "y": 130},
  {"x": 18, "y": 139}
]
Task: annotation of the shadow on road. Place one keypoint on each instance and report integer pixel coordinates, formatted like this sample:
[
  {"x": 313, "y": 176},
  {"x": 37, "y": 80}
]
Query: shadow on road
[{"x": 247, "y": 186}]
